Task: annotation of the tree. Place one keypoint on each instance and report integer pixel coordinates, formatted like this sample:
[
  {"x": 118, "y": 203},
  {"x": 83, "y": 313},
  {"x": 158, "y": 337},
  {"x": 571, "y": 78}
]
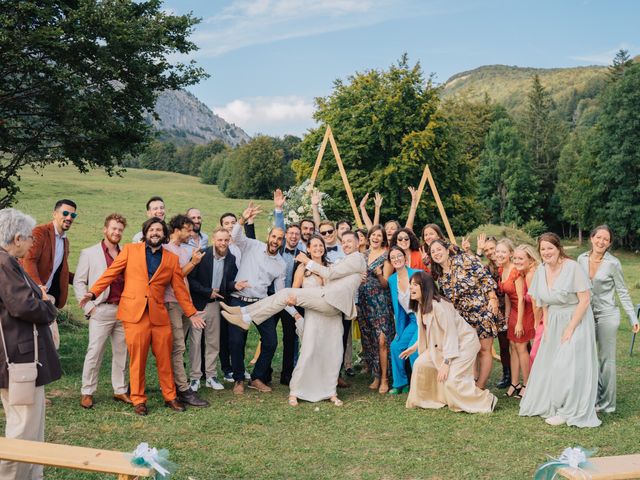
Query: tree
[
  {"x": 616, "y": 185},
  {"x": 508, "y": 187},
  {"x": 387, "y": 126},
  {"x": 621, "y": 61},
  {"x": 77, "y": 77},
  {"x": 544, "y": 135},
  {"x": 253, "y": 170}
]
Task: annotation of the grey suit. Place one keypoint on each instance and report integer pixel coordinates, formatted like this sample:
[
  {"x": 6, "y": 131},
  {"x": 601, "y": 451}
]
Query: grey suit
[
  {"x": 606, "y": 282},
  {"x": 337, "y": 295}
]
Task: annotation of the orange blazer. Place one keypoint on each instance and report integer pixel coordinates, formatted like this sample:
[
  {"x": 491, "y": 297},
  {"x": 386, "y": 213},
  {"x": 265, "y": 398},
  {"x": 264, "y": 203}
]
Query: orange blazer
[
  {"x": 140, "y": 292},
  {"x": 38, "y": 262}
]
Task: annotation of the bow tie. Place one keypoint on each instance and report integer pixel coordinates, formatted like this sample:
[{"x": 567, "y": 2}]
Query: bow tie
[
  {"x": 332, "y": 249},
  {"x": 290, "y": 252}
]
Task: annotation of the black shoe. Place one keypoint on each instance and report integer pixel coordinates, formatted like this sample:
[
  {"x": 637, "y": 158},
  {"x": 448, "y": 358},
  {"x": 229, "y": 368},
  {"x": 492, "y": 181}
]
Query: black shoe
[
  {"x": 190, "y": 397},
  {"x": 506, "y": 379},
  {"x": 349, "y": 372}
]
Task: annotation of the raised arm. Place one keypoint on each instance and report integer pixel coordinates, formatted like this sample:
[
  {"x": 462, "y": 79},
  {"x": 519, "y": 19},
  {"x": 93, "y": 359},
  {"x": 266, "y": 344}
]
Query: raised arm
[
  {"x": 377, "y": 202},
  {"x": 363, "y": 211},
  {"x": 315, "y": 205},
  {"x": 413, "y": 208},
  {"x": 278, "y": 209}
]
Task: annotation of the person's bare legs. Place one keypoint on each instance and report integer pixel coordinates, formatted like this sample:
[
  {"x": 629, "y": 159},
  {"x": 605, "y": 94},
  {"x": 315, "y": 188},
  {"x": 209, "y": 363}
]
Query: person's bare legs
[
  {"x": 486, "y": 362},
  {"x": 515, "y": 368},
  {"x": 523, "y": 356},
  {"x": 383, "y": 348}
]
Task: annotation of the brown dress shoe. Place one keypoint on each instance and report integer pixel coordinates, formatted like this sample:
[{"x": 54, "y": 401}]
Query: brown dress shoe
[
  {"x": 140, "y": 409},
  {"x": 175, "y": 405},
  {"x": 238, "y": 388},
  {"x": 122, "y": 397},
  {"x": 260, "y": 386},
  {"x": 86, "y": 401}
]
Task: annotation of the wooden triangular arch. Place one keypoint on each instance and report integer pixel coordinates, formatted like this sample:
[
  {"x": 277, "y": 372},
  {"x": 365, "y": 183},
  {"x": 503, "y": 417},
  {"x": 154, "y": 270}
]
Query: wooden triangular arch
[
  {"x": 426, "y": 176},
  {"x": 328, "y": 137}
]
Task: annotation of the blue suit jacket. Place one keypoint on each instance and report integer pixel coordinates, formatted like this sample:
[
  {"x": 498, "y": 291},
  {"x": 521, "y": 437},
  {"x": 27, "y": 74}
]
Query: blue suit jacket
[{"x": 402, "y": 319}]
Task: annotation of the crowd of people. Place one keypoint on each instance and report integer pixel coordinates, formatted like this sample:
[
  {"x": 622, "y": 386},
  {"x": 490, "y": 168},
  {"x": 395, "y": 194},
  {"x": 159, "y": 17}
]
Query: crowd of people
[{"x": 427, "y": 312}]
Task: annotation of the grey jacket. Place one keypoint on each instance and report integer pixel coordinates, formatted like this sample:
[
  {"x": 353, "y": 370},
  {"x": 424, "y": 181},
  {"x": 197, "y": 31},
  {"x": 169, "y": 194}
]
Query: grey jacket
[
  {"x": 607, "y": 280},
  {"x": 22, "y": 306}
]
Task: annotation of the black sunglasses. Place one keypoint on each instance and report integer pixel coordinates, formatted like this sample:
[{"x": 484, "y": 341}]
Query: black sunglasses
[
  {"x": 327, "y": 232},
  {"x": 403, "y": 239},
  {"x": 66, "y": 213}
]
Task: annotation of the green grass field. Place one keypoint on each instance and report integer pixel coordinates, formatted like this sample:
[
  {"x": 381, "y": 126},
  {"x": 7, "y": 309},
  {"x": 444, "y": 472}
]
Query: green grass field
[{"x": 259, "y": 435}]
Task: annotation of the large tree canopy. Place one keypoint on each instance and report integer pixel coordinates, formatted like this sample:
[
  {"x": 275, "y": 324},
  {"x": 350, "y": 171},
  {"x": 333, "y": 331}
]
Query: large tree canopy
[
  {"x": 387, "y": 125},
  {"x": 77, "y": 78}
]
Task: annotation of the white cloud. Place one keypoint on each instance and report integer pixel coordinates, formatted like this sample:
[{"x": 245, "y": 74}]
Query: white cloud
[
  {"x": 253, "y": 22},
  {"x": 606, "y": 57},
  {"x": 269, "y": 115}
]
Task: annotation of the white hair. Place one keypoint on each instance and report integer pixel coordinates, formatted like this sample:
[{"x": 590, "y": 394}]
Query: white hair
[{"x": 13, "y": 222}]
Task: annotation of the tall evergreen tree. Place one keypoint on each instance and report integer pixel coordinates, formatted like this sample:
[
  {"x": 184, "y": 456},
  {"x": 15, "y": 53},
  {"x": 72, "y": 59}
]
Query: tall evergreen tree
[
  {"x": 544, "y": 135},
  {"x": 620, "y": 62}
]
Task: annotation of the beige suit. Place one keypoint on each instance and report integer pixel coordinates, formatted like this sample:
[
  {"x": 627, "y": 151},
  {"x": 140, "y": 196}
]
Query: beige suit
[
  {"x": 444, "y": 334},
  {"x": 337, "y": 295},
  {"x": 103, "y": 324}
]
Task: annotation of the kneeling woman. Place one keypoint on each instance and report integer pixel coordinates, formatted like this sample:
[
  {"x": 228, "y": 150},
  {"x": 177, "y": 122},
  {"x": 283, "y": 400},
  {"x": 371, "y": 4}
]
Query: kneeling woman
[{"x": 448, "y": 347}]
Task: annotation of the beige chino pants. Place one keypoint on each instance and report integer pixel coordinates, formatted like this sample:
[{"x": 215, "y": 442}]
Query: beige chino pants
[
  {"x": 211, "y": 333},
  {"x": 103, "y": 324},
  {"x": 179, "y": 328}
]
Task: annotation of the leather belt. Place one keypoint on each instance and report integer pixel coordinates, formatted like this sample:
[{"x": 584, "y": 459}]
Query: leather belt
[{"x": 245, "y": 299}]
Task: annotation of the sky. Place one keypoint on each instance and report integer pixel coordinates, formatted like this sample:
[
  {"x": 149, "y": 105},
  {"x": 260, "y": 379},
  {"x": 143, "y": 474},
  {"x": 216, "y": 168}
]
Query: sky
[{"x": 269, "y": 59}]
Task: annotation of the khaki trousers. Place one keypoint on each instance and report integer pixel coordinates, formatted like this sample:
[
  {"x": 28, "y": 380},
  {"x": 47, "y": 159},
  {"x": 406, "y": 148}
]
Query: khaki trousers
[
  {"x": 25, "y": 422},
  {"x": 179, "y": 328},
  {"x": 212, "y": 343},
  {"x": 103, "y": 324}
]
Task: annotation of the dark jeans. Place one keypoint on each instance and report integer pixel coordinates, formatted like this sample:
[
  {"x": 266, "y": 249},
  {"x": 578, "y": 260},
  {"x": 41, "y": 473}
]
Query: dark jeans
[
  {"x": 225, "y": 355},
  {"x": 268, "y": 344},
  {"x": 289, "y": 346},
  {"x": 346, "y": 325},
  {"x": 237, "y": 339}
]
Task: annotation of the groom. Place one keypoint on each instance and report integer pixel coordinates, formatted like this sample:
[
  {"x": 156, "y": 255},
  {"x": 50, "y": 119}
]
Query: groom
[{"x": 338, "y": 296}]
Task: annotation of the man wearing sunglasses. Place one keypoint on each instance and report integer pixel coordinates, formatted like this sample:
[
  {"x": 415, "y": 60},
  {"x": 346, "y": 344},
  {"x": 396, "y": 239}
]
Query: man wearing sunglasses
[
  {"x": 327, "y": 230},
  {"x": 46, "y": 260}
]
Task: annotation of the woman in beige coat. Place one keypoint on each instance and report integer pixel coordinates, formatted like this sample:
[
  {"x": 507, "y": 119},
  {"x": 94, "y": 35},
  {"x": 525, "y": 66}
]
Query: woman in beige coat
[{"x": 448, "y": 347}]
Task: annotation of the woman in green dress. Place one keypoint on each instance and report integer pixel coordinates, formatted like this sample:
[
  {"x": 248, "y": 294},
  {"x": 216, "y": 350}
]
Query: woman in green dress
[
  {"x": 605, "y": 273},
  {"x": 563, "y": 383}
]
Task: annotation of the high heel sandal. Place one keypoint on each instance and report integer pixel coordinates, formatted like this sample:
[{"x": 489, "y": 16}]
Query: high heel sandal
[
  {"x": 375, "y": 384},
  {"x": 292, "y": 401},
  {"x": 516, "y": 391},
  {"x": 336, "y": 401}
]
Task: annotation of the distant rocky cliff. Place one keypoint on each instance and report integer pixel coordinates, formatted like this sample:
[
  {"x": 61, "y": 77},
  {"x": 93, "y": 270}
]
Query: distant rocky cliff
[{"x": 184, "y": 118}]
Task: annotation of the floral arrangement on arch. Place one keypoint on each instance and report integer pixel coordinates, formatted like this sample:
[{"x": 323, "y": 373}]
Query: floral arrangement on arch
[{"x": 298, "y": 203}]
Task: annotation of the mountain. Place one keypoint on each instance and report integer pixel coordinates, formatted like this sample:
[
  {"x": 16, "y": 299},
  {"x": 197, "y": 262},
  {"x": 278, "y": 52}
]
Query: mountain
[
  {"x": 184, "y": 118},
  {"x": 509, "y": 85}
]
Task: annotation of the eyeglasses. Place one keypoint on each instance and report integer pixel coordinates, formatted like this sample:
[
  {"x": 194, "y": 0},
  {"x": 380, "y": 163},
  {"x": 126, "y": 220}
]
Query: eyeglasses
[
  {"x": 403, "y": 239},
  {"x": 327, "y": 232},
  {"x": 66, "y": 213},
  {"x": 397, "y": 258}
]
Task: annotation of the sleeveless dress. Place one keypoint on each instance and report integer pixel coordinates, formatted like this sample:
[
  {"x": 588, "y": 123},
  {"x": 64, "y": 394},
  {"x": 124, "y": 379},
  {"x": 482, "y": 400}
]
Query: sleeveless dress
[
  {"x": 316, "y": 374},
  {"x": 528, "y": 322},
  {"x": 564, "y": 377},
  {"x": 375, "y": 315}
]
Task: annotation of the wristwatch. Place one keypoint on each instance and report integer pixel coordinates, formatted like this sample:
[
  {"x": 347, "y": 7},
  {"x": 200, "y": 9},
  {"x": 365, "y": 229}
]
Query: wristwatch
[{"x": 447, "y": 361}]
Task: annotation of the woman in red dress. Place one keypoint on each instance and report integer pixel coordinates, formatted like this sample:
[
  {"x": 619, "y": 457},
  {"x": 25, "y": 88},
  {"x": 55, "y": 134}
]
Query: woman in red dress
[{"x": 519, "y": 314}]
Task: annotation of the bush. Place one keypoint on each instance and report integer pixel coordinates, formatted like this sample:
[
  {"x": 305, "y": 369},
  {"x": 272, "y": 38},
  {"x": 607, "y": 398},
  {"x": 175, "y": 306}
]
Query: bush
[
  {"x": 534, "y": 228},
  {"x": 514, "y": 234}
]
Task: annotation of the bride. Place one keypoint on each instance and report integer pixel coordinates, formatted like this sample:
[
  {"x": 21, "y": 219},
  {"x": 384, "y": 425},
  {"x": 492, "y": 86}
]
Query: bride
[{"x": 316, "y": 374}]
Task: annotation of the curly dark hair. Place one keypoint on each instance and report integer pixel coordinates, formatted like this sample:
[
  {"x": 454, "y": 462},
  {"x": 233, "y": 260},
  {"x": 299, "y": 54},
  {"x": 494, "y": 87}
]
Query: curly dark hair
[{"x": 414, "y": 243}]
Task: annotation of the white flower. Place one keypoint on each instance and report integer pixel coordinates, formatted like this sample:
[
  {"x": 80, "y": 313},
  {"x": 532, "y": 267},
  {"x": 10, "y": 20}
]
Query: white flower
[{"x": 301, "y": 209}]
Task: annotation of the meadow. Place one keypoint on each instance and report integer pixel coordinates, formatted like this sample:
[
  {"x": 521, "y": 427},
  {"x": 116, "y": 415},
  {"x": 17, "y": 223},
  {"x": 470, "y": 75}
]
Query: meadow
[{"x": 259, "y": 435}]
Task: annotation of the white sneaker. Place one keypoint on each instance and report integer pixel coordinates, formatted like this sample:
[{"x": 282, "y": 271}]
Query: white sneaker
[
  {"x": 194, "y": 385},
  {"x": 212, "y": 382},
  {"x": 556, "y": 420},
  {"x": 247, "y": 375},
  {"x": 228, "y": 377}
]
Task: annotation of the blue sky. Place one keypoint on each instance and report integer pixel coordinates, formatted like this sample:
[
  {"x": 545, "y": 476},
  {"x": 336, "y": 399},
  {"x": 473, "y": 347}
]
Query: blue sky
[{"x": 269, "y": 59}]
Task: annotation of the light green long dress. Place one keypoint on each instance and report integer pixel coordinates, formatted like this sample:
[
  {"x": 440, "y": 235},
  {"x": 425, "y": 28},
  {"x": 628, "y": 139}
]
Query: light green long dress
[{"x": 564, "y": 377}]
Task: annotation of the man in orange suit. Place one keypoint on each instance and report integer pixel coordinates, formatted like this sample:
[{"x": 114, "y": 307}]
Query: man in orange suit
[{"x": 148, "y": 269}]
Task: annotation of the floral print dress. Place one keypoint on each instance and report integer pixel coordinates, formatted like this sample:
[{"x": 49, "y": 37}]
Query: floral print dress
[
  {"x": 375, "y": 314},
  {"x": 468, "y": 285}
]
